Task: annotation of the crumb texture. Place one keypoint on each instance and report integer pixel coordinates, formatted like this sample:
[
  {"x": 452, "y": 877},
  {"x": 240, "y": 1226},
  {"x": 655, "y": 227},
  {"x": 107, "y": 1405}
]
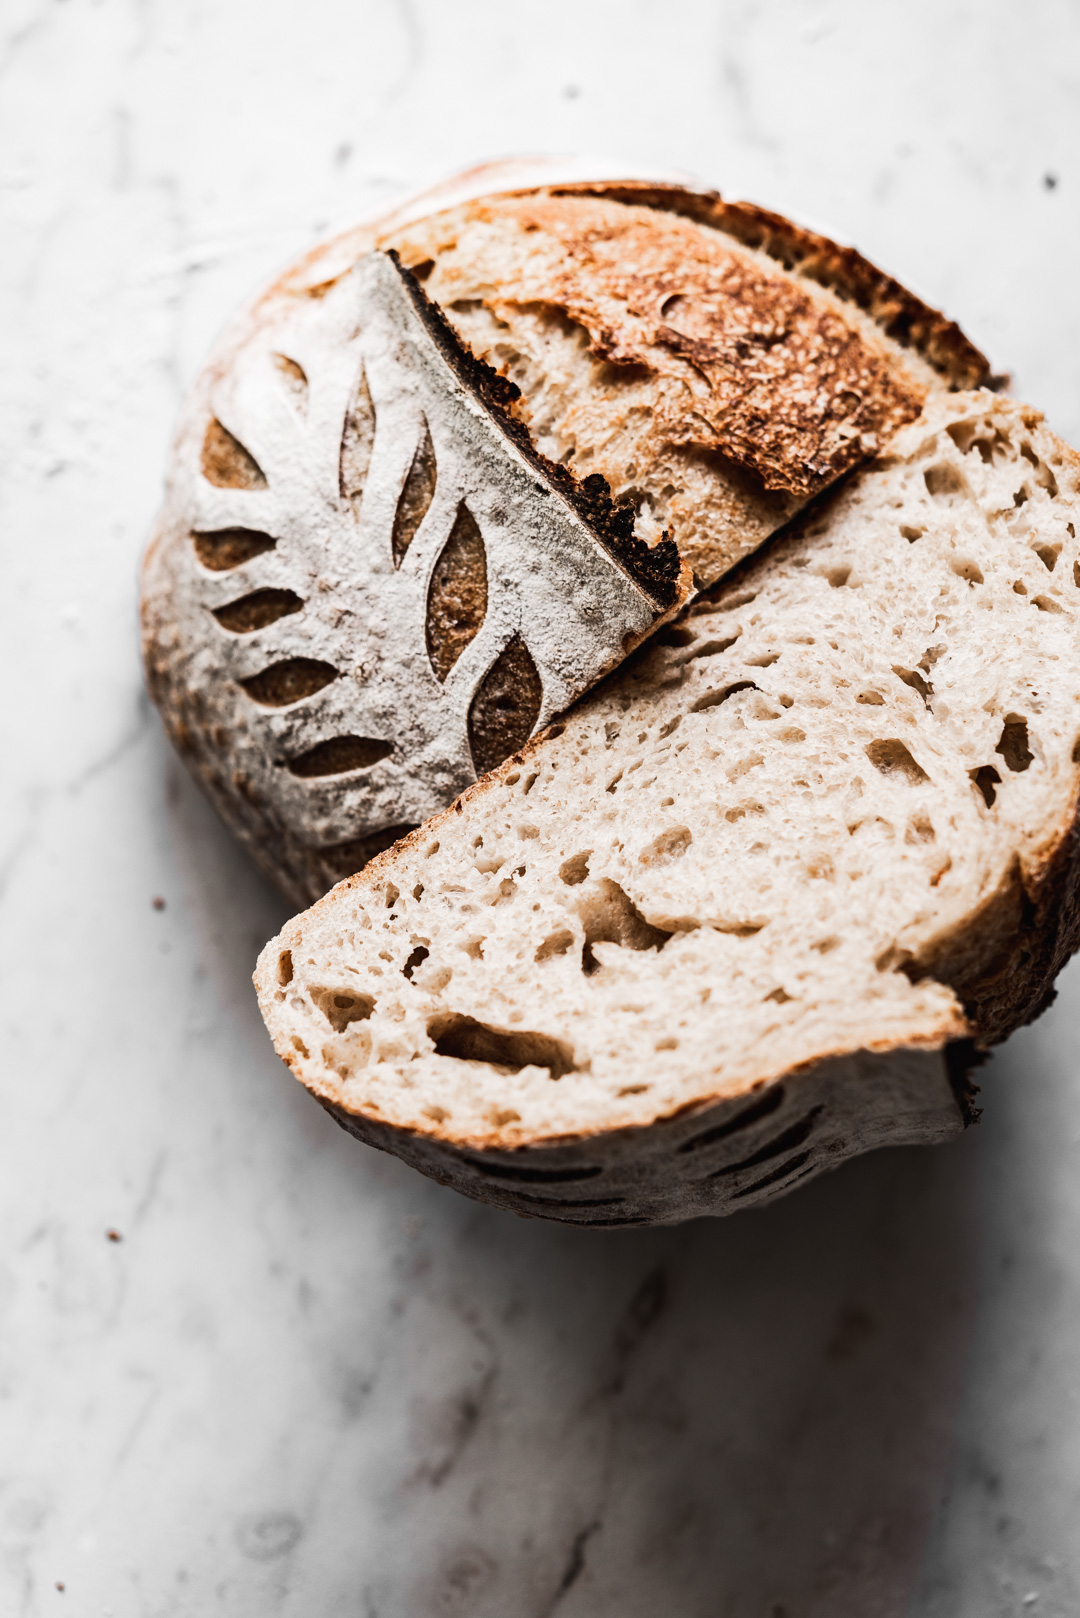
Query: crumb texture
[{"x": 806, "y": 826}]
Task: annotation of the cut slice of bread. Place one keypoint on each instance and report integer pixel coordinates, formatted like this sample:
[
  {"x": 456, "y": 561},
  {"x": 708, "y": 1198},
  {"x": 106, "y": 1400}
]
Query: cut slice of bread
[
  {"x": 367, "y": 585},
  {"x": 738, "y": 916}
]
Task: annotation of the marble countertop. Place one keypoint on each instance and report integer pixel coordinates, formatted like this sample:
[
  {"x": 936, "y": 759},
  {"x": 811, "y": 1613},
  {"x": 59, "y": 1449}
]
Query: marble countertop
[{"x": 247, "y": 1366}]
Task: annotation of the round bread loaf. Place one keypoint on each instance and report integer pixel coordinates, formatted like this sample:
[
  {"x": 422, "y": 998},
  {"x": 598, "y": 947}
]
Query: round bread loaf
[{"x": 454, "y": 466}]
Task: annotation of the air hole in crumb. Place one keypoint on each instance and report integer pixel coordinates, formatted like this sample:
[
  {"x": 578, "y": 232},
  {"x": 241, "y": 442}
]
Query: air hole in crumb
[
  {"x": 742, "y": 600},
  {"x": 474, "y": 948},
  {"x": 417, "y": 958},
  {"x": 781, "y": 996},
  {"x": 892, "y": 758},
  {"x": 257, "y": 610},
  {"x": 609, "y": 916},
  {"x": 574, "y": 870},
  {"x": 920, "y": 830},
  {"x": 339, "y": 756},
  {"x": 825, "y": 945},
  {"x": 633, "y": 1089},
  {"x": 944, "y": 480},
  {"x": 1048, "y": 555},
  {"x": 711, "y": 648},
  {"x": 838, "y": 576},
  {"x": 416, "y": 497},
  {"x": 911, "y": 534},
  {"x": 341, "y": 1007},
  {"x": 298, "y": 1045},
  {"x": 530, "y": 782},
  {"x": 289, "y": 681},
  {"x": 467, "y": 1040},
  {"x": 1020, "y": 588},
  {"x": 915, "y": 680},
  {"x": 392, "y": 896},
  {"x": 505, "y": 708},
  {"x": 285, "y": 967},
  {"x": 222, "y": 549},
  {"x": 1047, "y": 604},
  {"x": 673, "y": 724},
  {"x": 1013, "y": 745},
  {"x": 554, "y": 944},
  {"x": 987, "y": 779},
  {"x": 418, "y": 892},
  {"x": 669, "y": 846},
  {"x": 668, "y": 1044},
  {"x": 226, "y": 463},
  {"x": 965, "y": 568},
  {"x": 713, "y": 699},
  {"x": 873, "y": 699},
  {"x": 677, "y": 635}
]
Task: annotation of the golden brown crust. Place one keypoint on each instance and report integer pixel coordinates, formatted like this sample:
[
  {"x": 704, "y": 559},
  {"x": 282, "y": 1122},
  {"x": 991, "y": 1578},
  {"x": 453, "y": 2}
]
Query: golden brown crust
[
  {"x": 900, "y": 314},
  {"x": 744, "y": 359}
]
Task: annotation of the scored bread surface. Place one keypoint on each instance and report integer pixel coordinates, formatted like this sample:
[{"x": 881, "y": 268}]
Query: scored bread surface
[
  {"x": 721, "y": 927},
  {"x": 338, "y": 629}
]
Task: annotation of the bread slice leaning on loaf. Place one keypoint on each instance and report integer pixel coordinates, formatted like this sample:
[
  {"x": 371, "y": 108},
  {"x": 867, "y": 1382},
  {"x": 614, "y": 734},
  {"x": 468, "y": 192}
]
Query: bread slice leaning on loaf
[{"x": 743, "y": 913}]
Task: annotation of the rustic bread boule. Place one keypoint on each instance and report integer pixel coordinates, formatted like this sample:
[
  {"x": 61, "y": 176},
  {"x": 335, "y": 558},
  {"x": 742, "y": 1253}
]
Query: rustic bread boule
[
  {"x": 733, "y": 919},
  {"x": 373, "y": 578}
]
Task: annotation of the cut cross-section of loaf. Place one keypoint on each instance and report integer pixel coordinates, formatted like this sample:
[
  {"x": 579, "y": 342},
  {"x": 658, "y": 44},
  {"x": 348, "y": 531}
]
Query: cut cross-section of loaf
[{"x": 740, "y": 914}]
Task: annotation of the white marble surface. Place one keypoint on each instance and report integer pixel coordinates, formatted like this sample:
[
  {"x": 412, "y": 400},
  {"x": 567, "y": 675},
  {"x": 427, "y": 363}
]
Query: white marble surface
[{"x": 306, "y": 1381}]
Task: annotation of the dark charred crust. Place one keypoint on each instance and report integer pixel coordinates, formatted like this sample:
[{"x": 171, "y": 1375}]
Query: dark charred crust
[
  {"x": 962, "y": 1057},
  {"x": 901, "y": 316},
  {"x": 656, "y": 568}
]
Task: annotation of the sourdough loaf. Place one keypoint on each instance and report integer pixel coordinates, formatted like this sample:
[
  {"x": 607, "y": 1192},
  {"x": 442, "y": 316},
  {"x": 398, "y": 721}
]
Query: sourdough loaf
[
  {"x": 751, "y": 906},
  {"x": 393, "y": 545}
]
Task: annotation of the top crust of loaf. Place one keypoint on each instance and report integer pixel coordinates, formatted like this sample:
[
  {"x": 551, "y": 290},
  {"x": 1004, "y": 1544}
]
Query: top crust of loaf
[
  {"x": 902, "y": 316},
  {"x": 712, "y": 387},
  {"x": 833, "y": 811}
]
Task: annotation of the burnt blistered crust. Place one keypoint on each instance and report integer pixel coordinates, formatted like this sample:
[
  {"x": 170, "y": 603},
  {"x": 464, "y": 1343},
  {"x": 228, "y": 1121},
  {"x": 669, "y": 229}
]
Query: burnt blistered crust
[
  {"x": 655, "y": 568},
  {"x": 901, "y": 315}
]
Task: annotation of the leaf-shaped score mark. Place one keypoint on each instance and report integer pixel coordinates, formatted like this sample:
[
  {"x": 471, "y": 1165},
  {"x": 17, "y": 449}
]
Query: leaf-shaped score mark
[
  {"x": 289, "y": 681},
  {"x": 357, "y": 438},
  {"x": 339, "y": 756},
  {"x": 225, "y": 461},
  {"x": 256, "y": 610},
  {"x": 416, "y": 497},
  {"x": 224, "y": 548},
  {"x": 457, "y": 595},
  {"x": 295, "y": 379},
  {"x": 504, "y": 711}
]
